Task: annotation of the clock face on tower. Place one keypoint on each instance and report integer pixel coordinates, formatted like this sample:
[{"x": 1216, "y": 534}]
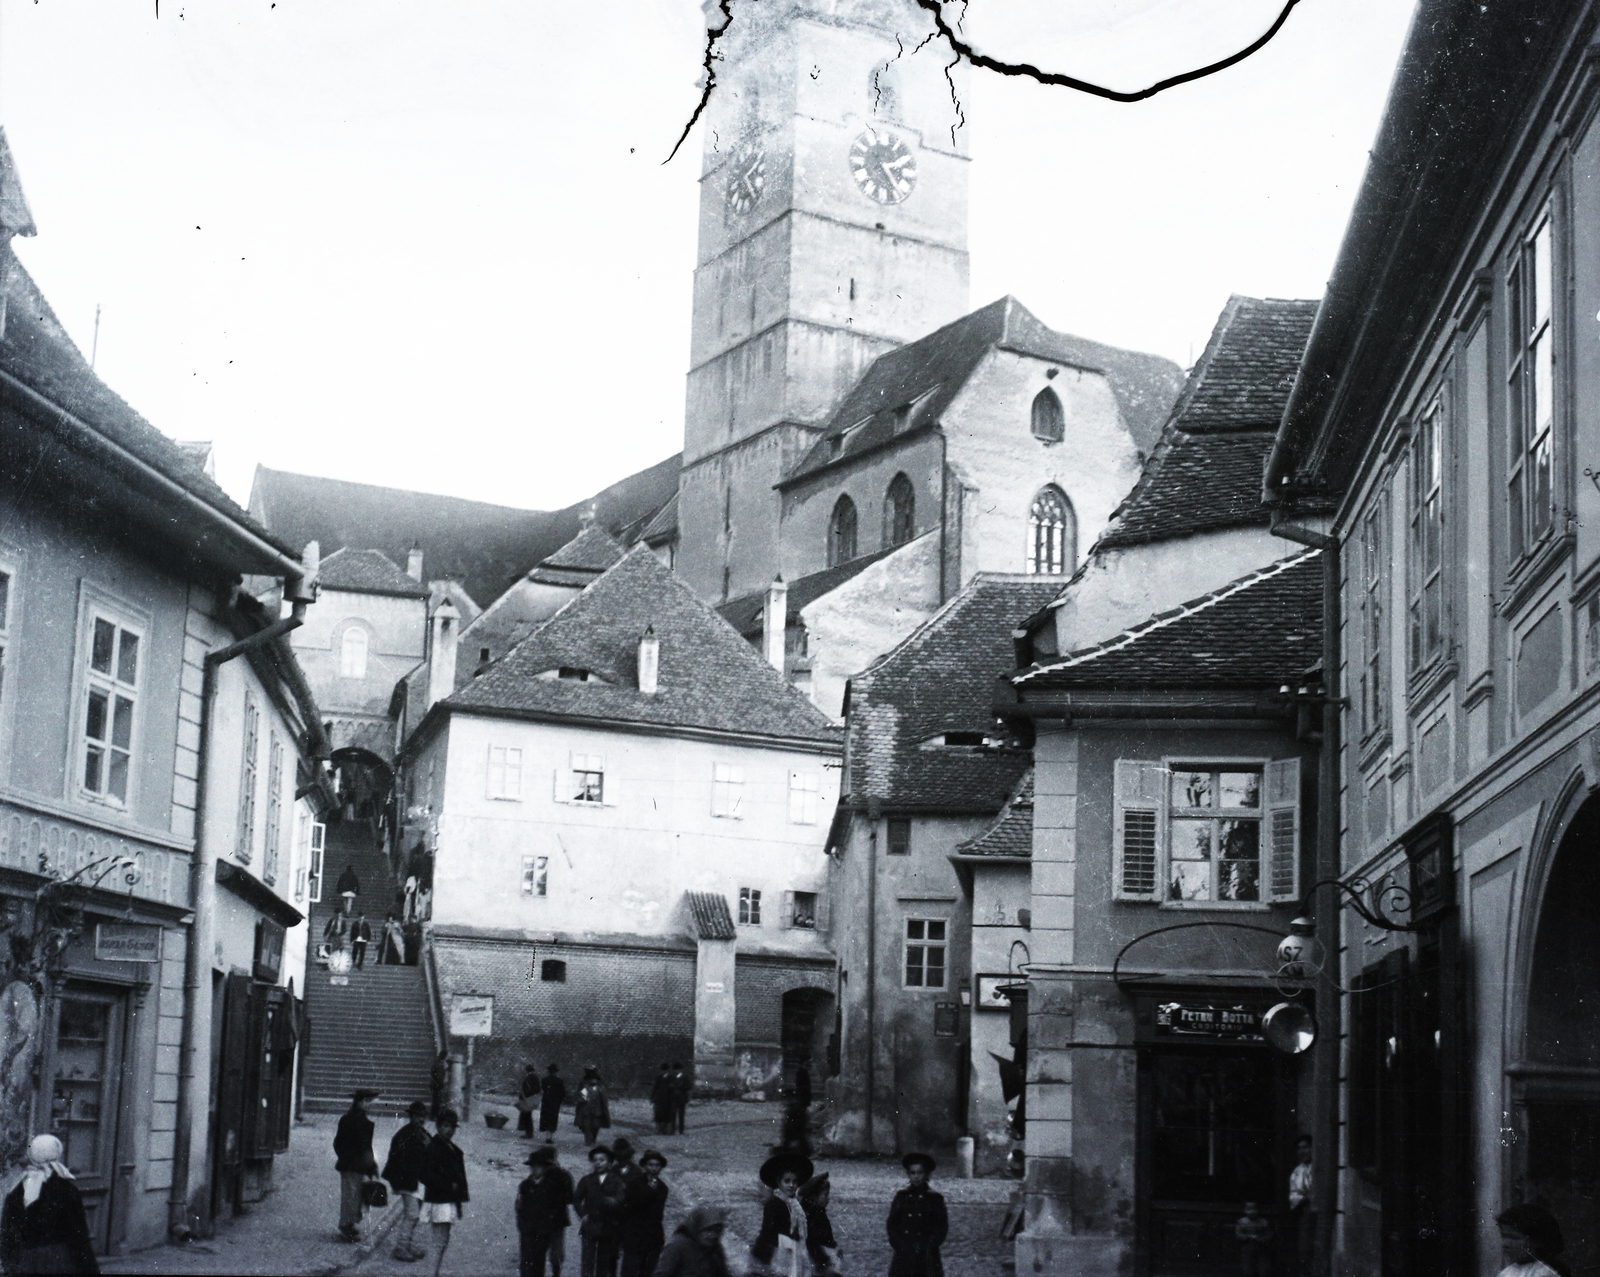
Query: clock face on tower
[
  {"x": 884, "y": 166},
  {"x": 747, "y": 176}
]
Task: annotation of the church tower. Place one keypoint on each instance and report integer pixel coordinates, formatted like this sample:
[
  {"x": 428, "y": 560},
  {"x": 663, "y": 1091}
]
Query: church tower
[{"x": 833, "y": 228}]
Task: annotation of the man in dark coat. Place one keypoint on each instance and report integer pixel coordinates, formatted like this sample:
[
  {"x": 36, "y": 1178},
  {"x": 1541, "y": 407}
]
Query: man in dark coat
[
  {"x": 348, "y": 887},
  {"x": 444, "y": 1182},
  {"x": 552, "y": 1093},
  {"x": 682, "y": 1085},
  {"x": 664, "y": 1101},
  {"x": 525, "y": 1100},
  {"x": 696, "y": 1247},
  {"x": 360, "y": 938},
  {"x": 601, "y": 1201},
  {"x": 542, "y": 1218},
  {"x": 352, "y": 1145},
  {"x": 408, "y": 1154},
  {"x": 644, "y": 1230},
  {"x": 918, "y": 1223}
]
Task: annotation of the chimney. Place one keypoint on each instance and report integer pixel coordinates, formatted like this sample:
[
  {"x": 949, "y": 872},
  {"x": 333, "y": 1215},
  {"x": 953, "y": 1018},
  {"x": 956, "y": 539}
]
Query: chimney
[
  {"x": 414, "y": 563},
  {"x": 586, "y": 517},
  {"x": 775, "y": 623},
  {"x": 442, "y": 650},
  {"x": 305, "y": 589},
  {"x": 649, "y": 661}
]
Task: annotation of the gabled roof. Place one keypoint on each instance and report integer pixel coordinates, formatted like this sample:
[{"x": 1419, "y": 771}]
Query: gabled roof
[
  {"x": 485, "y": 547},
  {"x": 1260, "y": 630},
  {"x": 744, "y": 612},
  {"x": 1011, "y": 835},
  {"x": 580, "y": 560},
  {"x": 924, "y": 376},
  {"x": 15, "y": 216},
  {"x": 709, "y": 678},
  {"x": 368, "y": 572},
  {"x": 939, "y": 680},
  {"x": 711, "y": 916},
  {"x": 663, "y": 525},
  {"x": 1205, "y": 472}
]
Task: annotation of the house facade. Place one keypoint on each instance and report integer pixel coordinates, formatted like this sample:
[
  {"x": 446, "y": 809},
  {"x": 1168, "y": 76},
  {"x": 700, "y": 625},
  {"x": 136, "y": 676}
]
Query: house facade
[
  {"x": 628, "y": 814},
  {"x": 1455, "y": 431}
]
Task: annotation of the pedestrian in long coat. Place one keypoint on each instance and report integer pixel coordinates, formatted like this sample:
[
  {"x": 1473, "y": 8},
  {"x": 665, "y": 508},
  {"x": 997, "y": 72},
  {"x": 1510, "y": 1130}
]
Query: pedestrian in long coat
[
  {"x": 918, "y": 1222},
  {"x": 696, "y": 1247},
  {"x": 664, "y": 1101},
  {"x": 444, "y": 1183},
  {"x": 408, "y": 1157},
  {"x": 525, "y": 1100},
  {"x": 542, "y": 1214},
  {"x": 43, "y": 1228},
  {"x": 552, "y": 1094},
  {"x": 592, "y": 1114},
  {"x": 683, "y": 1085},
  {"x": 352, "y": 1146},
  {"x": 783, "y": 1218},
  {"x": 643, "y": 1229},
  {"x": 601, "y": 1200}
]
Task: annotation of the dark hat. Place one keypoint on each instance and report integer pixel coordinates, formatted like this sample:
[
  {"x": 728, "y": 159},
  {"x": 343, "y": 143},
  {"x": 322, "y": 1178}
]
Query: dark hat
[
  {"x": 919, "y": 1159},
  {"x": 365, "y": 1093},
  {"x": 814, "y": 1187},
  {"x": 622, "y": 1148},
  {"x": 780, "y": 1164},
  {"x": 448, "y": 1117},
  {"x": 544, "y": 1155},
  {"x": 589, "y": 1070},
  {"x": 650, "y": 1155},
  {"x": 417, "y": 1108}
]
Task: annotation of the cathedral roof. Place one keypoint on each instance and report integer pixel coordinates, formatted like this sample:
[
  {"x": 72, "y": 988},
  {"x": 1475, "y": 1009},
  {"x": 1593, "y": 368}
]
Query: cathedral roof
[
  {"x": 709, "y": 679},
  {"x": 921, "y": 718},
  {"x": 1205, "y": 472},
  {"x": 485, "y": 547},
  {"x": 910, "y": 387}
]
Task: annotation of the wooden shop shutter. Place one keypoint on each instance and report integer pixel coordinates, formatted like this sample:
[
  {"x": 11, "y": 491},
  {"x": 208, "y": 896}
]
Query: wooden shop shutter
[
  {"x": 1137, "y": 837},
  {"x": 1283, "y": 829}
]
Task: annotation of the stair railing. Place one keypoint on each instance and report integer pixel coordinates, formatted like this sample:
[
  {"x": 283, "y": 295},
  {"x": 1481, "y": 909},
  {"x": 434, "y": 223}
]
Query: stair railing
[{"x": 430, "y": 977}]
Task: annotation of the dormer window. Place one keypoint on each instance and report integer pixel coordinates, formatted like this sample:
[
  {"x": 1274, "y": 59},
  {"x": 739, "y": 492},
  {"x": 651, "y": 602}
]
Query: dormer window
[
  {"x": 964, "y": 740},
  {"x": 570, "y": 674}
]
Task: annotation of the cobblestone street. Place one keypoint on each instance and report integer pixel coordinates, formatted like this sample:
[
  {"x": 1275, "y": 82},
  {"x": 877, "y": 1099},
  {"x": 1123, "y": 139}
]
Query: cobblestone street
[{"x": 292, "y": 1232}]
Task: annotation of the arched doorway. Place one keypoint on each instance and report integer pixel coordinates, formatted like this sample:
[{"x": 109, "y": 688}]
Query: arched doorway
[
  {"x": 364, "y": 782},
  {"x": 807, "y": 1034},
  {"x": 1560, "y": 1060}
]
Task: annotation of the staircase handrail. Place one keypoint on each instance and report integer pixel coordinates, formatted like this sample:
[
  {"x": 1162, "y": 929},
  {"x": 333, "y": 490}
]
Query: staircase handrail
[{"x": 430, "y": 976}]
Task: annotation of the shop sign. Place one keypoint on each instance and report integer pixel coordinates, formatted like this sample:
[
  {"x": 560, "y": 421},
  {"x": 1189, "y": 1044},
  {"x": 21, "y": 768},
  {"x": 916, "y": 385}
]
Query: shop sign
[
  {"x": 1203, "y": 1020},
  {"x": 127, "y": 942},
  {"x": 471, "y": 1015},
  {"x": 946, "y": 1019}
]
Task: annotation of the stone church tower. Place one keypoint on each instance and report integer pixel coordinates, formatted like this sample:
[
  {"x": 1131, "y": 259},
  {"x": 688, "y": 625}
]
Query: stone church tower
[{"x": 833, "y": 228}]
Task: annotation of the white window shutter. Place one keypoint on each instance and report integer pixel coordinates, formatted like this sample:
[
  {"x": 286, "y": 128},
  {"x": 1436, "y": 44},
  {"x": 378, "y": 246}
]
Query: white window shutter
[
  {"x": 560, "y": 790},
  {"x": 823, "y": 918},
  {"x": 1283, "y": 830},
  {"x": 788, "y": 910},
  {"x": 1141, "y": 792}
]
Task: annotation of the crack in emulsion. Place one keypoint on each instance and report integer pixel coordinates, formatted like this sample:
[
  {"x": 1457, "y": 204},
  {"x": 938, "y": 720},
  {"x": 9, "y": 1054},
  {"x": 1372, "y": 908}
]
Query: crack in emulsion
[{"x": 713, "y": 34}]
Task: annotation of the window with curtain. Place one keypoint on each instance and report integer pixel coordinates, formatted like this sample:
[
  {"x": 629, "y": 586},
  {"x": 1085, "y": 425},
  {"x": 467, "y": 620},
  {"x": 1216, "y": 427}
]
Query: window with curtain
[
  {"x": 1052, "y": 534},
  {"x": 1049, "y": 419},
  {"x": 899, "y": 512},
  {"x": 842, "y": 533}
]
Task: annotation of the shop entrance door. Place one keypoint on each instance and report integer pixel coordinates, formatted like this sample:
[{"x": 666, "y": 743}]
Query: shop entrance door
[
  {"x": 85, "y": 1068},
  {"x": 1209, "y": 1137}
]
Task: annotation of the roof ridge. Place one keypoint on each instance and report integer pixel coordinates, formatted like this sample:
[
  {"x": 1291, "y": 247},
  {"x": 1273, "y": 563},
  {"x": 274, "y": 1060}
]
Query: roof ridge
[
  {"x": 1191, "y": 607},
  {"x": 935, "y": 622}
]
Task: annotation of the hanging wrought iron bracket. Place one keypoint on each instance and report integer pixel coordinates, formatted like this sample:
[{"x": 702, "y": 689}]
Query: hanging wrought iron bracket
[{"x": 1374, "y": 902}]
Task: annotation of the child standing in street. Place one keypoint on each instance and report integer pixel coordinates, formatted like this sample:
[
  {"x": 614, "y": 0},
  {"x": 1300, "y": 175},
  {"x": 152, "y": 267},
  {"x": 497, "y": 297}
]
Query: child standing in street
[
  {"x": 1254, "y": 1235},
  {"x": 542, "y": 1217},
  {"x": 918, "y": 1222},
  {"x": 444, "y": 1182}
]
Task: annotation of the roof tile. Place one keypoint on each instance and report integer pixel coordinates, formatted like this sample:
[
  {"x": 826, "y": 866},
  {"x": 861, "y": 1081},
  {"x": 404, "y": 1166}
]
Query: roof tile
[
  {"x": 367, "y": 572},
  {"x": 1011, "y": 835},
  {"x": 712, "y": 919}
]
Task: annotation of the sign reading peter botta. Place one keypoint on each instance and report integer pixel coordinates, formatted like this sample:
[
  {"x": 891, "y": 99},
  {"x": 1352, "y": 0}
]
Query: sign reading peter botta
[
  {"x": 127, "y": 942},
  {"x": 471, "y": 1015}
]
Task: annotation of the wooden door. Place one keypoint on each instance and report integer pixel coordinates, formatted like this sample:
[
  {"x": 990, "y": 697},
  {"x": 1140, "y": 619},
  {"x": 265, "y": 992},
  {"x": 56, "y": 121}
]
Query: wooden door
[{"x": 84, "y": 1065}]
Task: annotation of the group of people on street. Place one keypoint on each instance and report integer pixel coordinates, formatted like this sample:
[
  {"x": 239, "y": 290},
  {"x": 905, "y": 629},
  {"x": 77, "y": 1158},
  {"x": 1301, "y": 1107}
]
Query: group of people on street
[
  {"x": 620, "y": 1206},
  {"x": 547, "y": 1094},
  {"x": 669, "y": 1099}
]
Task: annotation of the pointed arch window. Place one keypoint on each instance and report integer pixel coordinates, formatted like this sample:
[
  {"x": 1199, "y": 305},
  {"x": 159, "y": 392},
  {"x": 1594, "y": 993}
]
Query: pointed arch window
[
  {"x": 899, "y": 512},
  {"x": 1052, "y": 533},
  {"x": 842, "y": 533},
  {"x": 1049, "y": 419}
]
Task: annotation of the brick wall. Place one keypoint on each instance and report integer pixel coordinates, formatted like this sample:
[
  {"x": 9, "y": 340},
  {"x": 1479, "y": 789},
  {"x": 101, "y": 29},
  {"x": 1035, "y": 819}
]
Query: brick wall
[{"x": 623, "y": 1010}]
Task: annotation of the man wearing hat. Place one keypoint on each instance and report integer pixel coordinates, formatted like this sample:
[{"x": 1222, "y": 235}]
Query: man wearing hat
[
  {"x": 643, "y": 1229},
  {"x": 542, "y": 1217},
  {"x": 918, "y": 1222},
  {"x": 408, "y": 1155},
  {"x": 783, "y": 1218},
  {"x": 352, "y": 1145},
  {"x": 601, "y": 1201}
]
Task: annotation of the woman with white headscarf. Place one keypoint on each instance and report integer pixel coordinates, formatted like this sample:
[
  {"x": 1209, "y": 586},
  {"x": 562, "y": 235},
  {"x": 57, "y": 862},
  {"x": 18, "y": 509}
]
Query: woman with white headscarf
[{"x": 42, "y": 1225}]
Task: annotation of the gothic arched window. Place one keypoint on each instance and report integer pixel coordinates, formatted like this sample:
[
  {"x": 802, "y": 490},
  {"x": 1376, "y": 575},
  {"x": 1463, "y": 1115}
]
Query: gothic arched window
[
  {"x": 1052, "y": 534},
  {"x": 842, "y": 533},
  {"x": 1049, "y": 421},
  {"x": 899, "y": 512}
]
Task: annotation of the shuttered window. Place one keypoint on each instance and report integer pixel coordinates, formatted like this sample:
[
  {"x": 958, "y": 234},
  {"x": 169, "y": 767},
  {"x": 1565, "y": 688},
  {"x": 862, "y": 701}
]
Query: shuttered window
[{"x": 1140, "y": 788}]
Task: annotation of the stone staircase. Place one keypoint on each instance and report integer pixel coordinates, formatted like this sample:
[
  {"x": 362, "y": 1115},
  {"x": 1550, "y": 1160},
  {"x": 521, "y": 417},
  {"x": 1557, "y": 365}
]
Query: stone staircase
[{"x": 377, "y": 1030}]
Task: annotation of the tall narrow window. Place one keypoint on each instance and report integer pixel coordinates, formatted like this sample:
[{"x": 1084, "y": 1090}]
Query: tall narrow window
[
  {"x": 1530, "y": 498},
  {"x": 353, "y": 653},
  {"x": 1049, "y": 419},
  {"x": 925, "y": 951},
  {"x": 842, "y": 533},
  {"x": 245, "y": 837},
  {"x": 899, "y": 512},
  {"x": 505, "y": 772},
  {"x": 111, "y": 685},
  {"x": 804, "y": 791},
  {"x": 269, "y": 850},
  {"x": 727, "y": 790},
  {"x": 1374, "y": 645},
  {"x": 319, "y": 839},
  {"x": 1424, "y": 551},
  {"x": 899, "y": 836},
  {"x": 1052, "y": 534},
  {"x": 750, "y": 906},
  {"x": 5, "y": 628}
]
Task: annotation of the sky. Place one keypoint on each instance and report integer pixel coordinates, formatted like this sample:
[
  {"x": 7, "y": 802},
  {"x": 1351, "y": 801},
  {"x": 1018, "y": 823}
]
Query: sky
[{"x": 436, "y": 246}]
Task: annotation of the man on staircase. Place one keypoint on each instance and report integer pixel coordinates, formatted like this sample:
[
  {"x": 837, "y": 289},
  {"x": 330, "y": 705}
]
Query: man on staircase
[{"x": 348, "y": 887}]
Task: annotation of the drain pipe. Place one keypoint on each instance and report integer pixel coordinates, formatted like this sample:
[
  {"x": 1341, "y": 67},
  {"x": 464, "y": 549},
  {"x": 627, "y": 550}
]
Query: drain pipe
[{"x": 198, "y": 941}]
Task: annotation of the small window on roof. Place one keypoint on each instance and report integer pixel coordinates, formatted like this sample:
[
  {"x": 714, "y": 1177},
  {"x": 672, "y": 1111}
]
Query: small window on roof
[{"x": 1049, "y": 420}]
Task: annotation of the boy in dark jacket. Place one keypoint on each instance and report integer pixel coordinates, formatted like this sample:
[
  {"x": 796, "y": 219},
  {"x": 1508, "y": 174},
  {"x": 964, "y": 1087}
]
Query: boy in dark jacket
[
  {"x": 918, "y": 1222},
  {"x": 408, "y": 1155},
  {"x": 643, "y": 1229},
  {"x": 352, "y": 1145},
  {"x": 542, "y": 1217},
  {"x": 601, "y": 1200},
  {"x": 444, "y": 1182}
]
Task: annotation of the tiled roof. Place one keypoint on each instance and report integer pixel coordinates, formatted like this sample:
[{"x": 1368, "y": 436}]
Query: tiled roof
[
  {"x": 709, "y": 678},
  {"x": 939, "y": 680},
  {"x": 925, "y": 375},
  {"x": 485, "y": 547},
  {"x": 663, "y": 525},
  {"x": 1205, "y": 472},
  {"x": 1260, "y": 630},
  {"x": 580, "y": 560},
  {"x": 712, "y": 920},
  {"x": 368, "y": 572},
  {"x": 744, "y": 612},
  {"x": 1011, "y": 835}
]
